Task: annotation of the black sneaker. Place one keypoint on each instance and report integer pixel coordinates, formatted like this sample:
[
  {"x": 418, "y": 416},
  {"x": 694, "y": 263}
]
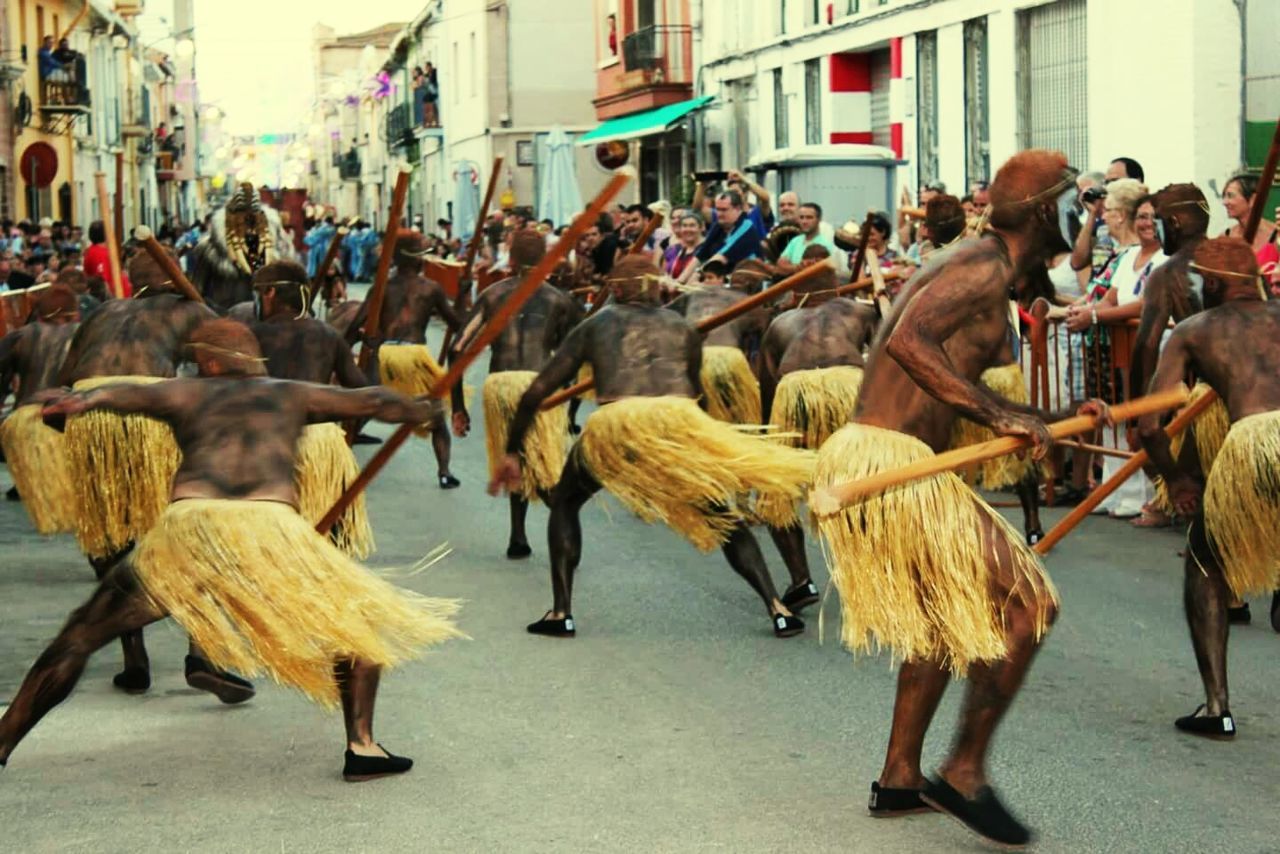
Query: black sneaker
[
  {"x": 1218, "y": 727},
  {"x": 359, "y": 769},
  {"x": 983, "y": 813}
]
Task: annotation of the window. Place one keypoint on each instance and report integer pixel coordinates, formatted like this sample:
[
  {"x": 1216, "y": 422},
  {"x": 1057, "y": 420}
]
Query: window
[
  {"x": 813, "y": 102},
  {"x": 977, "y": 142},
  {"x": 1052, "y": 73},
  {"x": 1261, "y": 81},
  {"x": 473, "y": 63},
  {"x": 780, "y": 24},
  {"x": 813, "y": 12},
  {"x": 610, "y": 34},
  {"x": 927, "y": 106},
  {"x": 779, "y": 111},
  {"x": 39, "y": 22}
]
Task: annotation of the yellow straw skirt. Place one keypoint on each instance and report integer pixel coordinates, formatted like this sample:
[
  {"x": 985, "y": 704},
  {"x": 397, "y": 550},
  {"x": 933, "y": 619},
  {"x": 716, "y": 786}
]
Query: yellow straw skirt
[
  {"x": 814, "y": 404},
  {"x": 1210, "y": 431},
  {"x": 1242, "y": 504},
  {"x": 123, "y": 468},
  {"x": 731, "y": 389},
  {"x": 323, "y": 469},
  {"x": 260, "y": 591},
  {"x": 37, "y": 459},
  {"x": 1008, "y": 382},
  {"x": 913, "y": 565},
  {"x": 546, "y": 443},
  {"x": 586, "y": 373},
  {"x": 411, "y": 370},
  {"x": 668, "y": 461}
]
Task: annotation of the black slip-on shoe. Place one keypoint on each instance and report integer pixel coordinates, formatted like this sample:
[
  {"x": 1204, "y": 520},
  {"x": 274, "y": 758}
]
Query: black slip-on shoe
[
  {"x": 887, "y": 802},
  {"x": 133, "y": 680},
  {"x": 227, "y": 687},
  {"x": 785, "y": 626},
  {"x": 554, "y": 628},
  {"x": 1239, "y": 616},
  {"x": 800, "y": 596},
  {"x": 359, "y": 769},
  {"x": 983, "y": 813},
  {"x": 1218, "y": 727}
]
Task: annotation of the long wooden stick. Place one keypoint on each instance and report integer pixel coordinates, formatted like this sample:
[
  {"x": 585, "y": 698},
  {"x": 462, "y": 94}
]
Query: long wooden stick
[
  {"x": 869, "y": 281},
  {"x": 509, "y": 308},
  {"x": 1130, "y": 467},
  {"x": 1097, "y": 449},
  {"x": 473, "y": 249},
  {"x": 832, "y": 499},
  {"x": 654, "y": 223},
  {"x": 373, "y": 319},
  {"x": 1184, "y": 418},
  {"x": 109, "y": 226},
  {"x": 330, "y": 255},
  {"x": 167, "y": 263},
  {"x": 862, "y": 245},
  {"x": 119, "y": 209},
  {"x": 707, "y": 324}
]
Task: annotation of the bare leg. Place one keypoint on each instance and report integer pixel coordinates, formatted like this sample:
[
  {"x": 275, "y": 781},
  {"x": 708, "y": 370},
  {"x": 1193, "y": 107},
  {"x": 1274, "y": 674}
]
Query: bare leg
[
  {"x": 1028, "y": 490},
  {"x": 443, "y": 446},
  {"x": 743, "y": 553},
  {"x": 790, "y": 544},
  {"x": 518, "y": 544},
  {"x": 920, "y": 689},
  {"x": 136, "y": 676},
  {"x": 564, "y": 531},
  {"x": 117, "y": 606},
  {"x": 993, "y": 685},
  {"x": 358, "y": 684},
  {"x": 1205, "y": 597}
]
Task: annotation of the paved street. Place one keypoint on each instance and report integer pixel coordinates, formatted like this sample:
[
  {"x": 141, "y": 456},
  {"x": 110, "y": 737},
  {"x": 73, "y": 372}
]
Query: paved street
[{"x": 673, "y": 722}]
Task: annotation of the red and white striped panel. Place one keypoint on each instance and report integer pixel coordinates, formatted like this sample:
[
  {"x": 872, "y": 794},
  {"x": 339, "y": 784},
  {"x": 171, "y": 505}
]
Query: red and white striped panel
[{"x": 851, "y": 97}]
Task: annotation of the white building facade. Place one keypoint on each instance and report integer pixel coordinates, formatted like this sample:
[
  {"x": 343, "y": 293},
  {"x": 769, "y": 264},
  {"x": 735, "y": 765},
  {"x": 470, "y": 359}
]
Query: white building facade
[{"x": 954, "y": 87}]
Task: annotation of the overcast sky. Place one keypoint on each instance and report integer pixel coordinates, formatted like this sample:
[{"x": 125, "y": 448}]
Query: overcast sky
[{"x": 253, "y": 56}]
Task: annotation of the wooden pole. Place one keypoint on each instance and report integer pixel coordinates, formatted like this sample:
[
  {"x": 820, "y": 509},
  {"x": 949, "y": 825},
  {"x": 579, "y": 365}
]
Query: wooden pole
[
  {"x": 119, "y": 210},
  {"x": 705, "y": 325},
  {"x": 832, "y": 499},
  {"x": 1180, "y": 422},
  {"x": 654, "y": 223},
  {"x": 869, "y": 281},
  {"x": 167, "y": 263},
  {"x": 330, "y": 255},
  {"x": 856, "y": 269},
  {"x": 109, "y": 225},
  {"x": 373, "y": 319},
  {"x": 473, "y": 249},
  {"x": 509, "y": 308}
]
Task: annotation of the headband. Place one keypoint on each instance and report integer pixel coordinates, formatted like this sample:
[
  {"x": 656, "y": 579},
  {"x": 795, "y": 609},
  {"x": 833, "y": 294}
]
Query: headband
[
  {"x": 1048, "y": 193},
  {"x": 223, "y": 351},
  {"x": 1231, "y": 273}
]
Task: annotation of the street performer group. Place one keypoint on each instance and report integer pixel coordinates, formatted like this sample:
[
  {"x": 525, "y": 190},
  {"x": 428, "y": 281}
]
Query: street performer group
[{"x": 204, "y": 467}]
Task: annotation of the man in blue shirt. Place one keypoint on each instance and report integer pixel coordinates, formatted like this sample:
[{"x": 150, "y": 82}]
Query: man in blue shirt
[{"x": 735, "y": 236}]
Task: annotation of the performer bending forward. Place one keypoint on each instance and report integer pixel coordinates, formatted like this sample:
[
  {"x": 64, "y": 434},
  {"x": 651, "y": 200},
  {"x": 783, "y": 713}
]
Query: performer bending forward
[
  {"x": 232, "y": 560},
  {"x": 651, "y": 445},
  {"x": 928, "y": 569}
]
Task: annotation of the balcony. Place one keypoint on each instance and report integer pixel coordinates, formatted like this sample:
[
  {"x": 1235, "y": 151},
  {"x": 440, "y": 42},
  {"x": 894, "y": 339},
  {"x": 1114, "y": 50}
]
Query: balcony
[
  {"x": 400, "y": 126},
  {"x": 348, "y": 165},
  {"x": 61, "y": 103},
  {"x": 656, "y": 69}
]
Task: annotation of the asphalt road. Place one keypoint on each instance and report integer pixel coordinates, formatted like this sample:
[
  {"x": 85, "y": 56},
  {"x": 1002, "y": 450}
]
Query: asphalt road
[{"x": 673, "y": 722}]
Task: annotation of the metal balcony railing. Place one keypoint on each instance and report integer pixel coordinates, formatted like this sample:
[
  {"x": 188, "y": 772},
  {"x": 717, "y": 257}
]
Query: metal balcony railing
[
  {"x": 400, "y": 125},
  {"x": 349, "y": 165},
  {"x": 663, "y": 54}
]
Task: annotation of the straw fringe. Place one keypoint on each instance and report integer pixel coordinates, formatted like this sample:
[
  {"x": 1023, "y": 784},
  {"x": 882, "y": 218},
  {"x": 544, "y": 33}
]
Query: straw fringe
[
  {"x": 260, "y": 591},
  {"x": 913, "y": 565},
  {"x": 1242, "y": 505},
  {"x": 731, "y": 389},
  {"x": 813, "y": 404},
  {"x": 586, "y": 373},
  {"x": 1210, "y": 431},
  {"x": 411, "y": 370},
  {"x": 324, "y": 467},
  {"x": 37, "y": 459},
  {"x": 123, "y": 467},
  {"x": 546, "y": 443},
  {"x": 668, "y": 461},
  {"x": 1008, "y": 382}
]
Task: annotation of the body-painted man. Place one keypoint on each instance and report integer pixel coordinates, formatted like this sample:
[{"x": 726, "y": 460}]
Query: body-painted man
[
  {"x": 232, "y": 560},
  {"x": 651, "y": 445}
]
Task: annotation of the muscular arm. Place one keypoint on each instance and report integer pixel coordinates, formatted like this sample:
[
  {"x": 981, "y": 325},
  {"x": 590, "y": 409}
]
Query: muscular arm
[
  {"x": 1169, "y": 374},
  {"x": 440, "y": 305},
  {"x": 559, "y": 370},
  {"x": 344, "y": 365},
  {"x": 693, "y": 353},
  {"x": 329, "y": 403},
  {"x": 1157, "y": 308},
  {"x": 159, "y": 400},
  {"x": 1082, "y": 252},
  {"x": 930, "y": 319}
]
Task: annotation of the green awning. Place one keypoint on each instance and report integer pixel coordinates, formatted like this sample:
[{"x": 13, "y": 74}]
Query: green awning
[{"x": 644, "y": 124}]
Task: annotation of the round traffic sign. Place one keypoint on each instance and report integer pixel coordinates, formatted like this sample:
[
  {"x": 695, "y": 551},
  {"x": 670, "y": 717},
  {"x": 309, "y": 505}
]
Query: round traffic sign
[{"x": 39, "y": 164}]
